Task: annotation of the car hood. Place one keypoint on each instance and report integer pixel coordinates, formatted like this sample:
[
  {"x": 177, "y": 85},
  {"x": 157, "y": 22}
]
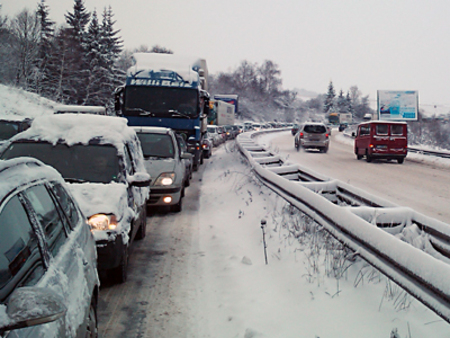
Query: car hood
[
  {"x": 96, "y": 198},
  {"x": 157, "y": 166}
]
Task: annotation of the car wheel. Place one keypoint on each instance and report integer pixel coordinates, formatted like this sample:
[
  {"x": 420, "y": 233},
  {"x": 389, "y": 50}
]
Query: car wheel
[
  {"x": 120, "y": 273},
  {"x": 325, "y": 149},
  {"x": 92, "y": 328},
  {"x": 400, "y": 160},
  {"x": 187, "y": 182},
  {"x": 177, "y": 207},
  {"x": 358, "y": 156},
  {"x": 201, "y": 158},
  {"x": 368, "y": 157},
  {"x": 143, "y": 228}
]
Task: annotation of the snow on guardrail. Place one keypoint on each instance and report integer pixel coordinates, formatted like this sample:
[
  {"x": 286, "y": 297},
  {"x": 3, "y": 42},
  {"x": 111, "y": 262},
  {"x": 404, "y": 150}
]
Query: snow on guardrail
[{"x": 410, "y": 248}]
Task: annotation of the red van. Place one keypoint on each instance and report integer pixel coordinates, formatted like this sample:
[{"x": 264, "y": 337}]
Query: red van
[{"x": 381, "y": 140}]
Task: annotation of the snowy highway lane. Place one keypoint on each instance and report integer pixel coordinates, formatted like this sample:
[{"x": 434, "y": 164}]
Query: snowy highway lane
[
  {"x": 421, "y": 185},
  {"x": 201, "y": 273}
]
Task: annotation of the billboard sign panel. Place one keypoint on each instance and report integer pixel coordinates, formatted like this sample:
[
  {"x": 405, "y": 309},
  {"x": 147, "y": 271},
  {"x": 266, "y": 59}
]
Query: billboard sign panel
[{"x": 398, "y": 105}]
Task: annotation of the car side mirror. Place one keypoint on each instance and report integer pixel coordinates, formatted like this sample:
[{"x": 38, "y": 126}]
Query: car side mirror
[
  {"x": 31, "y": 306},
  {"x": 353, "y": 134},
  {"x": 186, "y": 156},
  {"x": 140, "y": 180}
]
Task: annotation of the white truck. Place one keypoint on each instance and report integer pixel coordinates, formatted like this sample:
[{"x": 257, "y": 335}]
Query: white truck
[{"x": 224, "y": 113}]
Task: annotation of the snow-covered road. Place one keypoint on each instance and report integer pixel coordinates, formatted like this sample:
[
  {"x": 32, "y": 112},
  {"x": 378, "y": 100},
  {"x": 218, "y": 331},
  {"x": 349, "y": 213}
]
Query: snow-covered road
[
  {"x": 423, "y": 186},
  {"x": 201, "y": 273}
]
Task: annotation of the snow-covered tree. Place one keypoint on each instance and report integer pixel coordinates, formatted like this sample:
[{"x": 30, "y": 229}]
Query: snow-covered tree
[
  {"x": 349, "y": 104},
  {"x": 42, "y": 79},
  {"x": 328, "y": 105},
  {"x": 112, "y": 47},
  {"x": 25, "y": 34},
  {"x": 341, "y": 103},
  {"x": 78, "y": 67}
]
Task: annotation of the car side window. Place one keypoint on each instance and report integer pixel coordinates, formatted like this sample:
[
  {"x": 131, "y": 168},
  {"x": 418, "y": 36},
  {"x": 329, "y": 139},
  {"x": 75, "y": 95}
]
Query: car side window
[
  {"x": 48, "y": 217},
  {"x": 364, "y": 130},
  {"x": 20, "y": 257},
  {"x": 129, "y": 167},
  {"x": 67, "y": 205}
]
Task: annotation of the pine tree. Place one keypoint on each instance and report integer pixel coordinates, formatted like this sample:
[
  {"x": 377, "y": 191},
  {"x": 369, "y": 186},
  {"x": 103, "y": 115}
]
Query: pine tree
[
  {"x": 341, "y": 103},
  {"x": 349, "y": 104},
  {"x": 76, "y": 60},
  {"x": 111, "y": 49},
  {"x": 45, "y": 48},
  {"x": 329, "y": 99},
  {"x": 95, "y": 61}
]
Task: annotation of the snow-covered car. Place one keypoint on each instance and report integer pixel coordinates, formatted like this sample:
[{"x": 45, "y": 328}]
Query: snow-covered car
[
  {"x": 312, "y": 135},
  {"x": 48, "y": 259},
  {"x": 163, "y": 160},
  {"x": 101, "y": 158},
  {"x": 212, "y": 132},
  {"x": 11, "y": 125}
]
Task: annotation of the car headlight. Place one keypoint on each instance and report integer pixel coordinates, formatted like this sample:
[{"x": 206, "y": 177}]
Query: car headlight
[
  {"x": 165, "y": 179},
  {"x": 103, "y": 222}
]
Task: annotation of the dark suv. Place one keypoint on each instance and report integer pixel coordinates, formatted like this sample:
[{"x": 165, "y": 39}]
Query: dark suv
[
  {"x": 101, "y": 158},
  {"x": 48, "y": 262}
]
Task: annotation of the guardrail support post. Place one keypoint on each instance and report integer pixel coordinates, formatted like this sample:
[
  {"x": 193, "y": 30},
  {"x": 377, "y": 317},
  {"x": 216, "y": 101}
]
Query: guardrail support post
[{"x": 263, "y": 223}]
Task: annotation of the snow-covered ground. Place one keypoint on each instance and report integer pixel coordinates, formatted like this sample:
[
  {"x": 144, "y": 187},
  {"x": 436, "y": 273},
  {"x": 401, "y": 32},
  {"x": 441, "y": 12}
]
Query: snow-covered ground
[
  {"x": 18, "y": 102},
  {"x": 307, "y": 289}
]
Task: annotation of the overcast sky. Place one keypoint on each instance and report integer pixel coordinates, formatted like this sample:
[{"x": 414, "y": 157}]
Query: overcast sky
[{"x": 373, "y": 44}]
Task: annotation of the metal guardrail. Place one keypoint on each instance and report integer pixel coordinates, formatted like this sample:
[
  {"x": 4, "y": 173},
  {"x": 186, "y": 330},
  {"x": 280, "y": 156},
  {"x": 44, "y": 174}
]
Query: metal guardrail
[
  {"x": 442, "y": 154},
  {"x": 364, "y": 223}
]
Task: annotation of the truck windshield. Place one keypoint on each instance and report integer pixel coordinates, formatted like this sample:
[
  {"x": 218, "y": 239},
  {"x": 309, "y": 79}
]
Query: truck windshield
[{"x": 161, "y": 101}]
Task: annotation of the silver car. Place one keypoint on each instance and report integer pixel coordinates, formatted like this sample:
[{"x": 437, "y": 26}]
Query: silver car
[
  {"x": 163, "y": 160},
  {"x": 48, "y": 261},
  {"x": 312, "y": 135}
]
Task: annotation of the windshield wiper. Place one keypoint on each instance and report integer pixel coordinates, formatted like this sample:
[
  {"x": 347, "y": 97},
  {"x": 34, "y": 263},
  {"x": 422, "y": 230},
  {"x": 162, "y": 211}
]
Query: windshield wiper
[
  {"x": 177, "y": 113},
  {"x": 141, "y": 111},
  {"x": 74, "y": 180}
]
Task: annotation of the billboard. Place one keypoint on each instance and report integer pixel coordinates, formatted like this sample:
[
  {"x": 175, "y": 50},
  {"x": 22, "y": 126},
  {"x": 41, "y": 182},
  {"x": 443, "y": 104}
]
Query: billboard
[{"x": 398, "y": 105}]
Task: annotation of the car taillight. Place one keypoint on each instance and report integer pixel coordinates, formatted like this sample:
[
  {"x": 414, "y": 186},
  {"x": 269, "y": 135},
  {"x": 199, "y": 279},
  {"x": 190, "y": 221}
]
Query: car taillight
[
  {"x": 301, "y": 135},
  {"x": 326, "y": 135}
]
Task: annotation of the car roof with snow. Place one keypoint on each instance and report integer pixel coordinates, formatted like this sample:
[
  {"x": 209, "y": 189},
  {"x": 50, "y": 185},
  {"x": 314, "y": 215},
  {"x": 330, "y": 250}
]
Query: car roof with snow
[
  {"x": 20, "y": 171},
  {"x": 79, "y": 129}
]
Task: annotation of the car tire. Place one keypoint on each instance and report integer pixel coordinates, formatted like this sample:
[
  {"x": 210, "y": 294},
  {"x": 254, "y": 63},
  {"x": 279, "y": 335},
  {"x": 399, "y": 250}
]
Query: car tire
[
  {"x": 368, "y": 157},
  {"x": 325, "y": 150},
  {"x": 177, "y": 207},
  {"x": 91, "y": 321},
  {"x": 400, "y": 160},
  {"x": 119, "y": 274},
  {"x": 358, "y": 156},
  {"x": 143, "y": 228},
  {"x": 187, "y": 182}
]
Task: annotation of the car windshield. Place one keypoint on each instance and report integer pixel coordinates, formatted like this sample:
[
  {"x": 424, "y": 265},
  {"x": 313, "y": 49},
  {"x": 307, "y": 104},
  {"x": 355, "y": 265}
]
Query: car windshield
[
  {"x": 211, "y": 130},
  {"x": 77, "y": 163},
  {"x": 315, "y": 129},
  {"x": 8, "y": 130},
  {"x": 156, "y": 145}
]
